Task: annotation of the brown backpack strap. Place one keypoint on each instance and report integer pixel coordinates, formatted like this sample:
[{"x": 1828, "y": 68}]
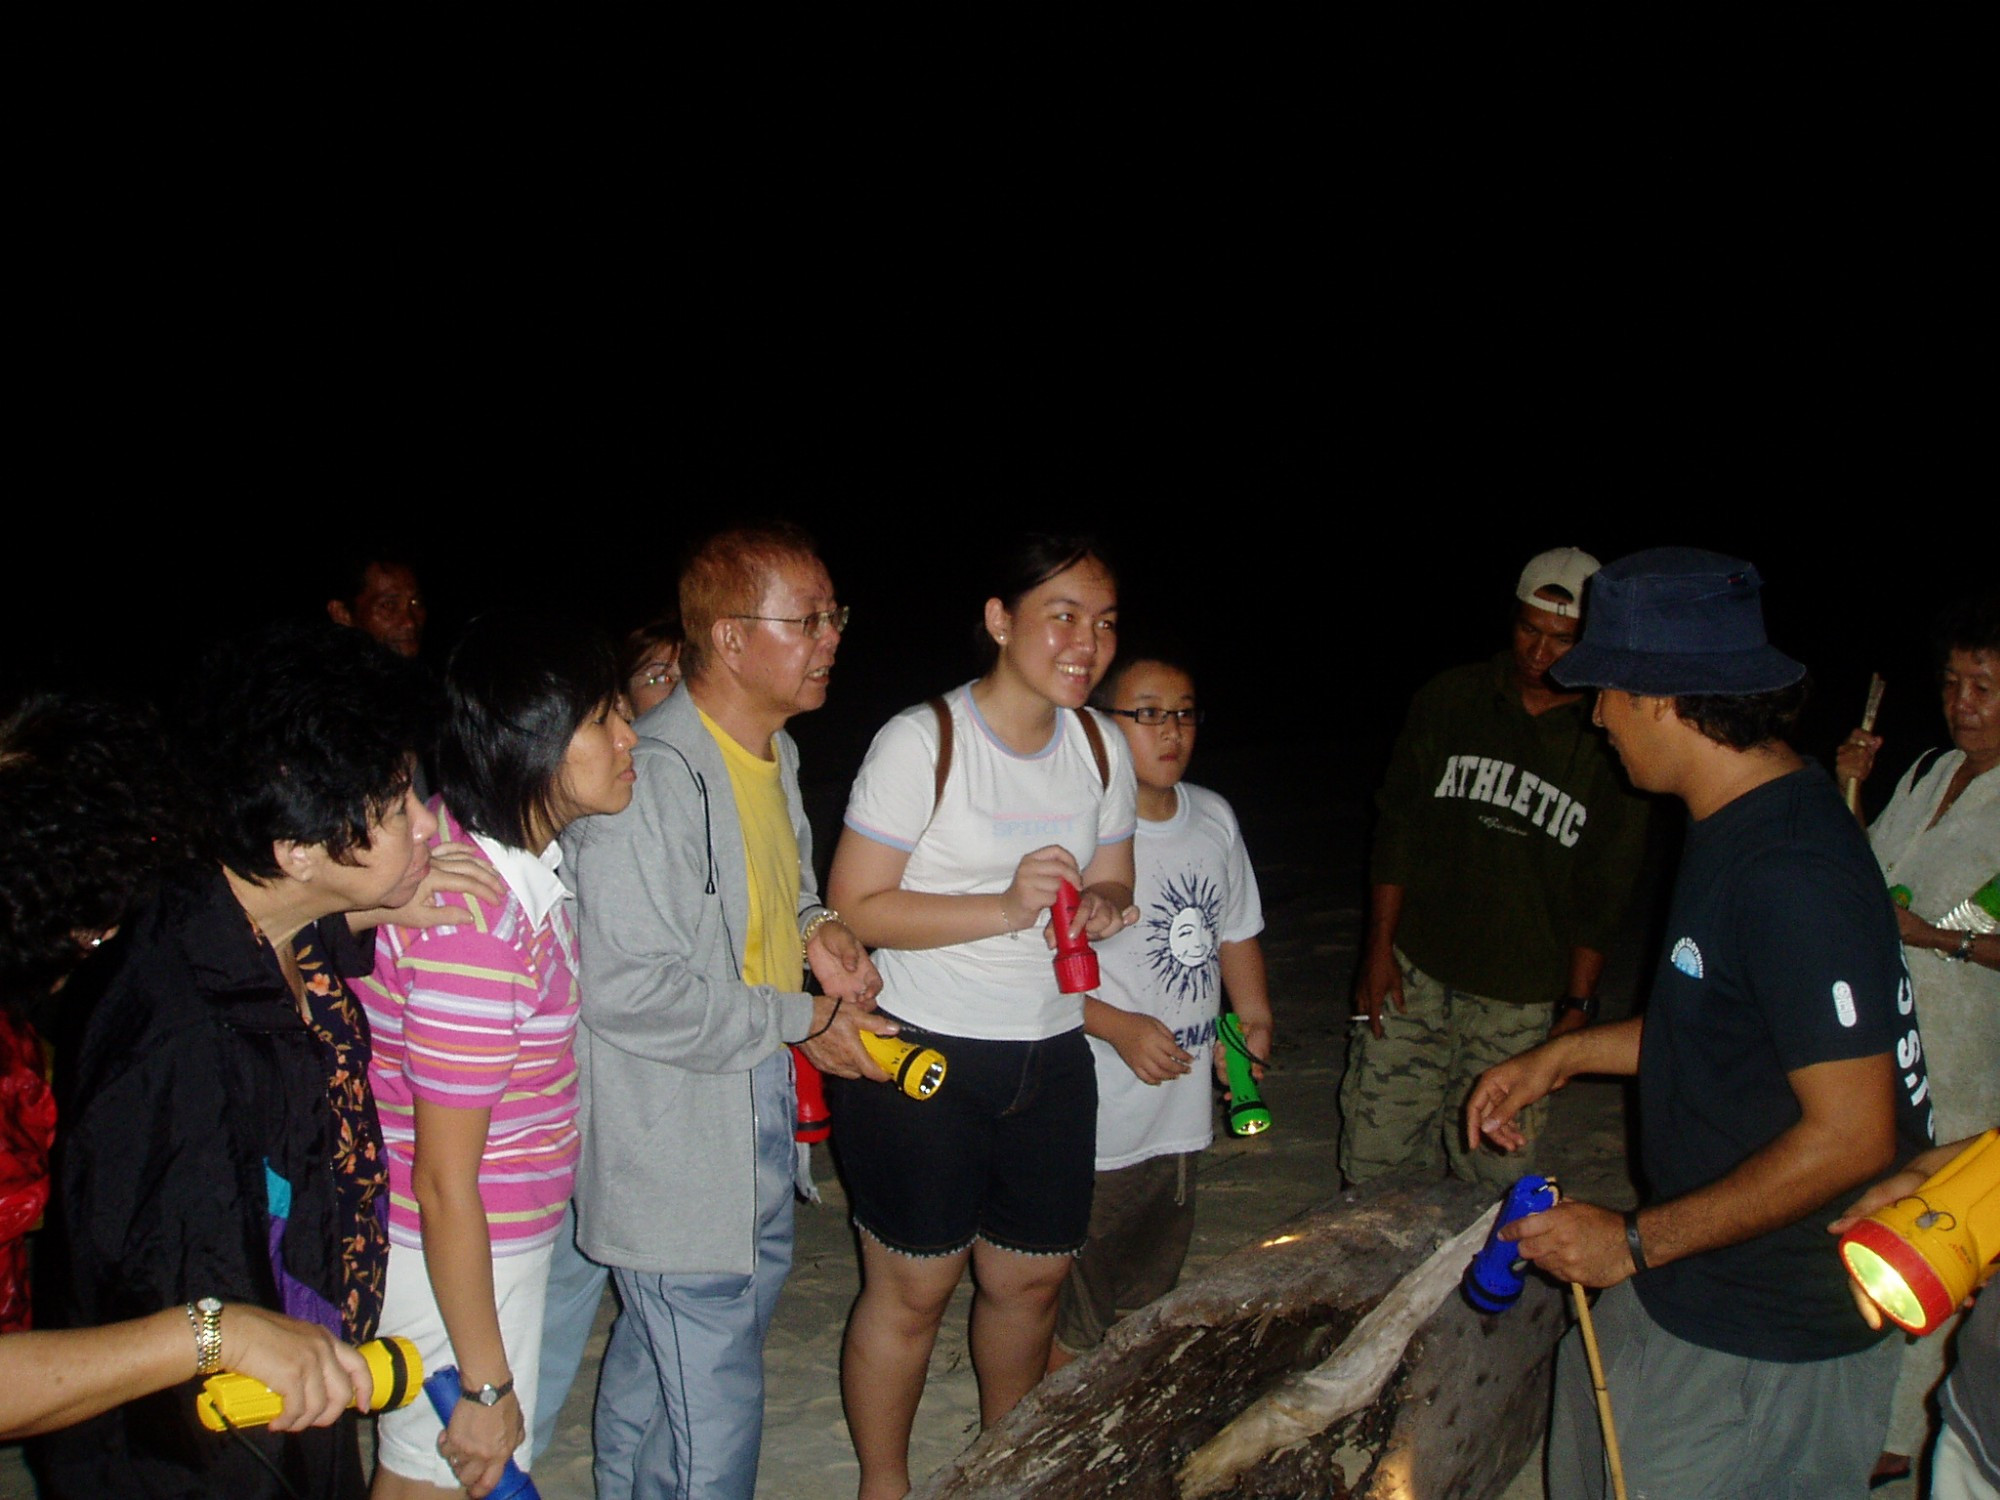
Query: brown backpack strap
[
  {"x": 1096, "y": 737},
  {"x": 943, "y": 711}
]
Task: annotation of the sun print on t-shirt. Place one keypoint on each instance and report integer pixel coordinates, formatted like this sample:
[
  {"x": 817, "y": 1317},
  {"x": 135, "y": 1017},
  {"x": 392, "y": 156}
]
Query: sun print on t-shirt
[{"x": 1181, "y": 929}]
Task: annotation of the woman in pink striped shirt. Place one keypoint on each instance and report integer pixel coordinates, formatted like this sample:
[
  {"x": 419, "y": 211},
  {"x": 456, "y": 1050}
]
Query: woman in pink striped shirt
[{"x": 473, "y": 1071}]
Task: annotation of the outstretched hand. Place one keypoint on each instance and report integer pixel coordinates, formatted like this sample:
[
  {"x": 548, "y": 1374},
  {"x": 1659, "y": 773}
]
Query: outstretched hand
[{"x": 1503, "y": 1091}]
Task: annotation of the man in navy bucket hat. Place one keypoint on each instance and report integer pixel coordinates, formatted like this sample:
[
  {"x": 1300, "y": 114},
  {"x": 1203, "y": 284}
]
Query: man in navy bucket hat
[
  {"x": 1677, "y": 620},
  {"x": 1779, "y": 1068}
]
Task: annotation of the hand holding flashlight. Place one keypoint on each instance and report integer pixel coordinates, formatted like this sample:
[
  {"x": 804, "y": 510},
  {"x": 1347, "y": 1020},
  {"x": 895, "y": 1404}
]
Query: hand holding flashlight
[
  {"x": 390, "y": 1374},
  {"x": 1918, "y": 1250}
]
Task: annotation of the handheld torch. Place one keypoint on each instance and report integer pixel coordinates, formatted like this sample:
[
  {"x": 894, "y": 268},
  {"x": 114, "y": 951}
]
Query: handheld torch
[
  {"x": 1921, "y": 1256},
  {"x": 1076, "y": 963},
  {"x": 443, "y": 1389},
  {"x": 1247, "y": 1114},
  {"x": 814, "y": 1122},
  {"x": 231, "y": 1400},
  {"x": 914, "y": 1068},
  {"x": 1493, "y": 1281}
]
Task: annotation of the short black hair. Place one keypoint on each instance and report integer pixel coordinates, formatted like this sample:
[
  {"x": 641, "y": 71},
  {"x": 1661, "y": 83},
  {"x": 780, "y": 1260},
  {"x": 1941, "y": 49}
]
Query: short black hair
[
  {"x": 1970, "y": 624},
  {"x": 1744, "y": 721},
  {"x": 1159, "y": 653},
  {"x": 306, "y": 733},
  {"x": 518, "y": 687},
  {"x": 91, "y": 812}
]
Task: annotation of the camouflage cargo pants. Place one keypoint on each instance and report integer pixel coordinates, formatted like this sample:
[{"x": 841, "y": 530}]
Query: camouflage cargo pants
[{"x": 1402, "y": 1103}]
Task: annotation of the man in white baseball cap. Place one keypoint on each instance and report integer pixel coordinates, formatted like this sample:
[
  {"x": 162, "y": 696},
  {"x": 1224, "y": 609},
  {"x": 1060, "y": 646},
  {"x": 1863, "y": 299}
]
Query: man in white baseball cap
[{"x": 1506, "y": 842}]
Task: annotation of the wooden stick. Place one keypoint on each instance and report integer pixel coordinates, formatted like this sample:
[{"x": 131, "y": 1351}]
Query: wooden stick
[
  {"x": 1875, "y": 686},
  {"x": 1597, "y": 1380}
]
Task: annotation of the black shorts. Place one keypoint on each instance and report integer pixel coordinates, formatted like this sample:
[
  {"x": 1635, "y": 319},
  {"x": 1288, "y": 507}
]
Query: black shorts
[{"x": 1004, "y": 1151}]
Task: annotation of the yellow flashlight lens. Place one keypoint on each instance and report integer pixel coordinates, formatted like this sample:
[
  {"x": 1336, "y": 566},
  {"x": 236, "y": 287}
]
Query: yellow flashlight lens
[{"x": 1885, "y": 1286}]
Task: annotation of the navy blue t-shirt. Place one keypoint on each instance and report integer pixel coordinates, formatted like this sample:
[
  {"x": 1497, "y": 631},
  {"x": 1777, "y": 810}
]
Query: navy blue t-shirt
[{"x": 1781, "y": 953}]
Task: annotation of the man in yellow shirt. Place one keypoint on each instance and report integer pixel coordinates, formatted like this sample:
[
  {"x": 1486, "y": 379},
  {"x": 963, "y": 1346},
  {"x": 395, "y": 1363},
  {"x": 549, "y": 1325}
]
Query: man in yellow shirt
[{"x": 698, "y": 914}]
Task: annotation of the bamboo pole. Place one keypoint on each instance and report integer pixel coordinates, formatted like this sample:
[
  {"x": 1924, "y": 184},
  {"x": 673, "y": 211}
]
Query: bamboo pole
[
  {"x": 1875, "y": 686},
  {"x": 1597, "y": 1381}
]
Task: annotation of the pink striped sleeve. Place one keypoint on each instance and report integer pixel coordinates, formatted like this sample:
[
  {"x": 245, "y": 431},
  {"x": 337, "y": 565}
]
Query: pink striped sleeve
[{"x": 468, "y": 994}]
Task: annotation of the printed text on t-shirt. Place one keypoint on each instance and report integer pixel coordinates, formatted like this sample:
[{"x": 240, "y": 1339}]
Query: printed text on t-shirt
[{"x": 1480, "y": 778}]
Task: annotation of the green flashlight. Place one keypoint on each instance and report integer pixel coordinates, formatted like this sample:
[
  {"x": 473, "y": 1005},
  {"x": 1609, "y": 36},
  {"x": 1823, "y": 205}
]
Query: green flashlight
[{"x": 1247, "y": 1114}]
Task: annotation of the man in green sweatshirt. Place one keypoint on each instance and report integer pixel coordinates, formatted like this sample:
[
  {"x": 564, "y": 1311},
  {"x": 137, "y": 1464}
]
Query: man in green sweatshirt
[{"x": 1506, "y": 843}]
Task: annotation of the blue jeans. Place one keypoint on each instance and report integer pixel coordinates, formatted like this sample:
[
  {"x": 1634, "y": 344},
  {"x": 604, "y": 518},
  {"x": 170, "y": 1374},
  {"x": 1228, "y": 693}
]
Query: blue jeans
[
  {"x": 576, "y": 1286},
  {"x": 680, "y": 1398}
]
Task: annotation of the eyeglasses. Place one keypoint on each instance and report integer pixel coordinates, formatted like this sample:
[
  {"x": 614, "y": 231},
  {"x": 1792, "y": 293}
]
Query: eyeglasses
[
  {"x": 1153, "y": 718},
  {"x": 814, "y": 625}
]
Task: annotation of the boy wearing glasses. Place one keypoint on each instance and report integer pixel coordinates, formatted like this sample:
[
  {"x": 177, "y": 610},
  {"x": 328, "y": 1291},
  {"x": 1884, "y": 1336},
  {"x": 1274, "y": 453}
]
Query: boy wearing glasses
[{"x": 1152, "y": 1026}]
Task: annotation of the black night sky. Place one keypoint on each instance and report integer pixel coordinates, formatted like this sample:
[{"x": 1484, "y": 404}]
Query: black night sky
[{"x": 1324, "y": 333}]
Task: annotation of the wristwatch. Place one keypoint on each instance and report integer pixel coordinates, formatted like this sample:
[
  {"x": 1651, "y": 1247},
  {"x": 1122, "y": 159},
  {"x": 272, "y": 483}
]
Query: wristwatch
[
  {"x": 491, "y": 1395},
  {"x": 205, "y": 1317},
  {"x": 1587, "y": 1004}
]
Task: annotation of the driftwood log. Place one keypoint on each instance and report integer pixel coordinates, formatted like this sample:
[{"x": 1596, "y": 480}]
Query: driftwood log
[{"x": 1456, "y": 1418}]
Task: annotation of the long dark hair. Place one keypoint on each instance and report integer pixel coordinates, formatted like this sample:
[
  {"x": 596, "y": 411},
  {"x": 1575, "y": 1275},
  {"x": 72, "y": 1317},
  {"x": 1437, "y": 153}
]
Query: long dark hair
[{"x": 518, "y": 688}]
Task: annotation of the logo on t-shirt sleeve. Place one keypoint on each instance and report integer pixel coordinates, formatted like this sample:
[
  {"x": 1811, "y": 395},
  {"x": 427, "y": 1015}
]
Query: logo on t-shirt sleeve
[
  {"x": 1686, "y": 957},
  {"x": 1843, "y": 1002}
]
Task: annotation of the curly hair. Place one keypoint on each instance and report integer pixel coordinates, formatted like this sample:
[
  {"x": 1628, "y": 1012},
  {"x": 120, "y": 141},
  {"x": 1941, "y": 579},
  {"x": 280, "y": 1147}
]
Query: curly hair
[
  {"x": 91, "y": 812},
  {"x": 305, "y": 734},
  {"x": 1743, "y": 721}
]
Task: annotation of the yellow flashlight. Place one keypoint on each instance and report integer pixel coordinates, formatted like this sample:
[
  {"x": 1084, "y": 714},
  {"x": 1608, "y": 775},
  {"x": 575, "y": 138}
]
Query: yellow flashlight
[
  {"x": 228, "y": 1400},
  {"x": 1921, "y": 1256},
  {"x": 915, "y": 1069}
]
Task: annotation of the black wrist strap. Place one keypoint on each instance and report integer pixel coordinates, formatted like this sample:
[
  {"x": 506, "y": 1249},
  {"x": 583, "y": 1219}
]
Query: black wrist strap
[
  {"x": 1587, "y": 1004},
  {"x": 838, "y": 1001},
  {"x": 1632, "y": 1239}
]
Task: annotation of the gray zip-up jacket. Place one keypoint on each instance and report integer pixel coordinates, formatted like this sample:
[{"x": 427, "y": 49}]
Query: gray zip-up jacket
[{"x": 670, "y": 1032}]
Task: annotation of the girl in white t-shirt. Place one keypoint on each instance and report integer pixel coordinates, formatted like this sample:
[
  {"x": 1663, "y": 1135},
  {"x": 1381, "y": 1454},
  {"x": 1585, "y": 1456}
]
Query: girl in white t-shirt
[{"x": 950, "y": 887}]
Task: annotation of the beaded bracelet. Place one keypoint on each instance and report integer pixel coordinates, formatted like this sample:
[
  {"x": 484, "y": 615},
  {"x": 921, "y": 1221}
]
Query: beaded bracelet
[{"x": 820, "y": 919}]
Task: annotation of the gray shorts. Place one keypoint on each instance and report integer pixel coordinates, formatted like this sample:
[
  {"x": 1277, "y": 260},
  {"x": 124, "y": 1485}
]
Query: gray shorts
[
  {"x": 1141, "y": 1219},
  {"x": 1698, "y": 1424}
]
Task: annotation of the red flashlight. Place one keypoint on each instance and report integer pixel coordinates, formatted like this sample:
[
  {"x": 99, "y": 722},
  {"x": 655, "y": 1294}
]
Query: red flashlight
[
  {"x": 1076, "y": 964},
  {"x": 815, "y": 1121}
]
